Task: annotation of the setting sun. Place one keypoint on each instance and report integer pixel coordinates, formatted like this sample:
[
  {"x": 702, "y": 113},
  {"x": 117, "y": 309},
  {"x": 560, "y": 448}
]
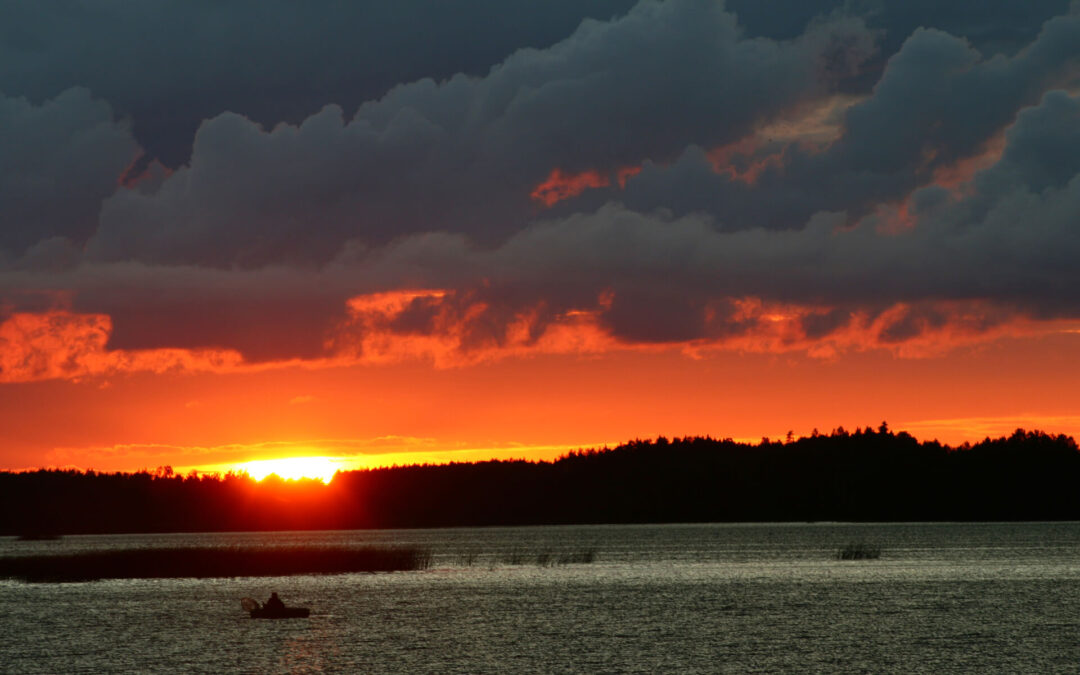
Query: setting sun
[{"x": 291, "y": 468}]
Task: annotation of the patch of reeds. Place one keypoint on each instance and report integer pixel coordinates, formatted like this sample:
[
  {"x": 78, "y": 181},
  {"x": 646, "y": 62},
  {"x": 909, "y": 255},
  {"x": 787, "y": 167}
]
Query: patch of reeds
[
  {"x": 576, "y": 558},
  {"x": 546, "y": 558},
  {"x": 157, "y": 563},
  {"x": 858, "y": 551}
]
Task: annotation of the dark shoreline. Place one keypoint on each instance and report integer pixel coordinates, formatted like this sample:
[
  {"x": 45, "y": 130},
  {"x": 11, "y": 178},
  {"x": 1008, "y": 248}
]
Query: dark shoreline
[
  {"x": 869, "y": 475},
  {"x": 201, "y": 563}
]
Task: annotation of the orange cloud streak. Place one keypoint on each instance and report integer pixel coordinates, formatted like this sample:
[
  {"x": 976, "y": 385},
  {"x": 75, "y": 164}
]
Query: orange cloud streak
[
  {"x": 908, "y": 330},
  {"x": 453, "y": 329},
  {"x": 957, "y": 177},
  {"x": 64, "y": 345},
  {"x": 370, "y": 334},
  {"x": 560, "y": 185},
  {"x": 812, "y": 128},
  {"x": 727, "y": 159}
]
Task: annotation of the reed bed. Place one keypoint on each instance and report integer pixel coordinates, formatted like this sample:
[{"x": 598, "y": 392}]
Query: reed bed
[
  {"x": 157, "y": 563},
  {"x": 858, "y": 551},
  {"x": 541, "y": 558}
]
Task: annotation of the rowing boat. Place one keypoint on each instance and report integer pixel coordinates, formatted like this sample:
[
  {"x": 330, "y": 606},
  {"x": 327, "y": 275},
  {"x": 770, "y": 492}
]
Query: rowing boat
[{"x": 258, "y": 611}]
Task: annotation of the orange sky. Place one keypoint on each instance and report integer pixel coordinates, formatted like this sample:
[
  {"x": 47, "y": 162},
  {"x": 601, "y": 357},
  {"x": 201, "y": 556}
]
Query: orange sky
[{"x": 532, "y": 407}]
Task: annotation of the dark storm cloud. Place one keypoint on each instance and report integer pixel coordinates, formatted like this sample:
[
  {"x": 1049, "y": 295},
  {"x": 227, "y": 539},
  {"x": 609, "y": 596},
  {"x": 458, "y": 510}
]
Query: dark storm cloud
[
  {"x": 257, "y": 242},
  {"x": 465, "y": 155},
  {"x": 993, "y": 26},
  {"x": 1013, "y": 236},
  {"x": 58, "y": 161},
  {"x": 272, "y": 313},
  {"x": 1013, "y": 239},
  {"x": 170, "y": 64},
  {"x": 938, "y": 101}
]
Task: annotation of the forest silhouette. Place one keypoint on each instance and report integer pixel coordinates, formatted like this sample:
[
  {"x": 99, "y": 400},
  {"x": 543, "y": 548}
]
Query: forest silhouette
[{"x": 865, "y": 475}]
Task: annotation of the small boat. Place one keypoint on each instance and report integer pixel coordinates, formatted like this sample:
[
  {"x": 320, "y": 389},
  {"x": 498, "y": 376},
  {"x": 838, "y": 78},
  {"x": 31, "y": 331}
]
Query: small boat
[{"x": 259, "y": 612}]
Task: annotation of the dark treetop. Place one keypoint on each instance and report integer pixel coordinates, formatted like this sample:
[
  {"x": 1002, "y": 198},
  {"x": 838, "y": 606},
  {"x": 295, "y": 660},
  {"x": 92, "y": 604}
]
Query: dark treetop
[{"x": 865, "y": 475}]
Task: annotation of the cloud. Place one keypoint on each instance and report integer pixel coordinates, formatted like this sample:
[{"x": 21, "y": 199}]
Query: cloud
[
  {"x": 665, "y": 279},
  {"x": 58, "y": 161},
  {"x": 173, "y": 63},
  {"x": 170, "y": 64},
  {"x": 466, "y": 155},
  {"x": 937, "y": 104},
  {"x": 63, "y": 345},
  {"x": 659, "y": 180},
  {"x": 273, "y": 313},
  {"x": 992, "y": 26}
]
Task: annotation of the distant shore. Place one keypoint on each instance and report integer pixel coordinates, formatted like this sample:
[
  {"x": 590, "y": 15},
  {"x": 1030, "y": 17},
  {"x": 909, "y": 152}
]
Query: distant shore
[
  {"x": 865, "y": 475},
  {"x": 162, "y": 563}
]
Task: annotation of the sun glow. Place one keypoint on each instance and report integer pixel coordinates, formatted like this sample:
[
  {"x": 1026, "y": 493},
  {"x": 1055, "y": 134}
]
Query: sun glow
[{"x": 292, "y": 468}]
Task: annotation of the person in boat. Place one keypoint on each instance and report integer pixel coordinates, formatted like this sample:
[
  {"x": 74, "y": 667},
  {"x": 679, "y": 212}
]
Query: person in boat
[{"x": 274, "y": 602}]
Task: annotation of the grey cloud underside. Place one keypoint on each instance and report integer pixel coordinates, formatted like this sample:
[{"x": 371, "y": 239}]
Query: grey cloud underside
[
  {"x": 256, "y": 242},
  {"x": 170, "y": 64},
  {"x": 936, "y": 103},
  {"x": 58, "y": 161},
  {"x": 464, "y": 155}
]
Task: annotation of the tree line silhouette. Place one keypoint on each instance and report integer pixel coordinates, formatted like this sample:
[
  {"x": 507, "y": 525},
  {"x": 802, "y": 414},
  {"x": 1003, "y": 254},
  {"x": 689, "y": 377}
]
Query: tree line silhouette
[{"x": 865, "y": 475}]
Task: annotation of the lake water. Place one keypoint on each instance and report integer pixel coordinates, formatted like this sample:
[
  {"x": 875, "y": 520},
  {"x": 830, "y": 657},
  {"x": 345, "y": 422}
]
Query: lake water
[{"x": 942, "y": 598}]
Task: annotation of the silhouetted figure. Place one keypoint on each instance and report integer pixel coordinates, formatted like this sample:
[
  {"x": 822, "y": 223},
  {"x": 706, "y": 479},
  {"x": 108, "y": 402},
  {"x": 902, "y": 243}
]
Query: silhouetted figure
[{"x": 274, "y": 603}]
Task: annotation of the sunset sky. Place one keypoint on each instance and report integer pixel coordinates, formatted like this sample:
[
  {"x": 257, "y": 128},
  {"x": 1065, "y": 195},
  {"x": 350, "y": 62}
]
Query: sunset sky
[{"x": 410, "y": 231}]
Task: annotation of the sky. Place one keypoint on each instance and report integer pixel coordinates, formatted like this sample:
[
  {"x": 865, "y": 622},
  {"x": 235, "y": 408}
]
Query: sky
[{"x": 386, "y": 233}]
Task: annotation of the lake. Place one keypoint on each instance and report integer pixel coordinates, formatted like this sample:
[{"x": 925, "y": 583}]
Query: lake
[{"x": 715, "y": 598}]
